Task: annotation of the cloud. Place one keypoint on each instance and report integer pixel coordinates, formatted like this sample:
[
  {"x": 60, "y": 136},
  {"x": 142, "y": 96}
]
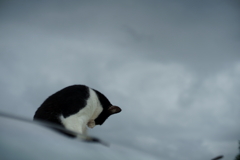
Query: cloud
[{"x": 158, "y": 119}]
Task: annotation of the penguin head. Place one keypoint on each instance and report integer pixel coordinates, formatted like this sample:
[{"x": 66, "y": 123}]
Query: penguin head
[{"x": 106, "y": 113}]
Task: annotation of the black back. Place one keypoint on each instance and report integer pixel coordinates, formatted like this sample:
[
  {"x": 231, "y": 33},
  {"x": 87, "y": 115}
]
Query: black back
[{"x": 65, "y": 102}]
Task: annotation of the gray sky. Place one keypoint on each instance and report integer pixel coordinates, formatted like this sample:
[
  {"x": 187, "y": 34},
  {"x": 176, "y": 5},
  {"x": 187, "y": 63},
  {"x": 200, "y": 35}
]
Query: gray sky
[{"x": 172, "y": 66}]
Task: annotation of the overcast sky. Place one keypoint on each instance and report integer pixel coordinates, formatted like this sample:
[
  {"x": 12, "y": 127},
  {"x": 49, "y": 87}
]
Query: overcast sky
[{"x": 172, "y": 66}]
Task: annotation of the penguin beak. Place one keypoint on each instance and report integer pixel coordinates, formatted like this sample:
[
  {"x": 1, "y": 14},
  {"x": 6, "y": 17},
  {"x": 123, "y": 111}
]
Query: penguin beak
[{"x": 114, "y": 110}]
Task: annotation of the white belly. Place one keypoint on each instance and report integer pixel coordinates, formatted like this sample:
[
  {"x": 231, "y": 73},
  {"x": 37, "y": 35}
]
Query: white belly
[{"x": 86, "y": 116}]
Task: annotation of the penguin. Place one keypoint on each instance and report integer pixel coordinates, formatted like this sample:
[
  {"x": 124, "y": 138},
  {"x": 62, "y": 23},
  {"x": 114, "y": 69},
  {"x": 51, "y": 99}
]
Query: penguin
[{"x": 76, "y": 107}]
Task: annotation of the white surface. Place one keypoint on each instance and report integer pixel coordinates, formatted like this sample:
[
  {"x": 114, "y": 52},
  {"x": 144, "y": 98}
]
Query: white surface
[{"x": 25, "y": 141}]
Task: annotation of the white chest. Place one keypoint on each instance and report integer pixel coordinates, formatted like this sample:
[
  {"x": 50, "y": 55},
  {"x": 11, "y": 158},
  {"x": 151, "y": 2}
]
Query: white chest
[{"x": 86, "y": 116}]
